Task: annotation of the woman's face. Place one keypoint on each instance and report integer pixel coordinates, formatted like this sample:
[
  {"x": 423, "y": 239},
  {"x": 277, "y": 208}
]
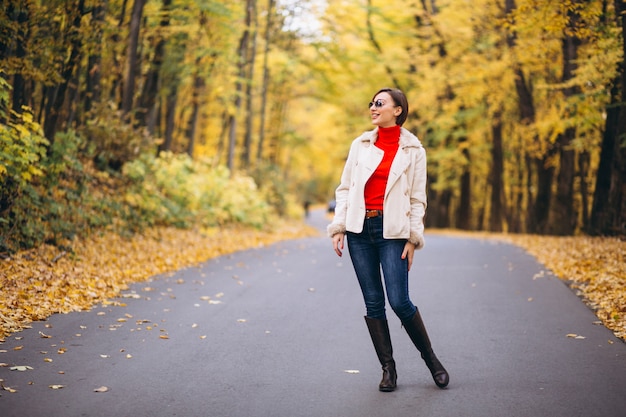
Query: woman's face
[{"x": 384, "y": 111}]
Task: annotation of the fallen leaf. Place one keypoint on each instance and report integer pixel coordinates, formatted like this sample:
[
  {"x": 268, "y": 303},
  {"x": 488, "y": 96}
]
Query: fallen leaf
[
  {"x": 47, "y": 360},
  {"x": 21, "y": 368},
  {"x": 56, "y": 386},
  {"x": 101, "y": 389},
  {"x": 352, "y": 371},
  {"x": 44, "y": 336},
  {"x": 163, "y": 336}
]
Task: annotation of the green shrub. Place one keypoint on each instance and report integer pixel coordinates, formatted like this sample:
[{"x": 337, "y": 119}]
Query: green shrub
[{"x": 172, "y": 189}]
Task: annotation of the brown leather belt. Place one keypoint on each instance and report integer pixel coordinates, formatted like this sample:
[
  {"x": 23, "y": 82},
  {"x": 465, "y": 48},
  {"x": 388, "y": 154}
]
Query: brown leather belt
[{"x": 373, "y": 213}]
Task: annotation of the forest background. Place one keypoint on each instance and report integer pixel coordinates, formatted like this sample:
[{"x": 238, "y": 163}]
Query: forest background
[{"x": 125, "y": 115}]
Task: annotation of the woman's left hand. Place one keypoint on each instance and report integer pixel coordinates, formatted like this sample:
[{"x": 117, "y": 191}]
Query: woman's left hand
[{"x": 407, "y": 253}]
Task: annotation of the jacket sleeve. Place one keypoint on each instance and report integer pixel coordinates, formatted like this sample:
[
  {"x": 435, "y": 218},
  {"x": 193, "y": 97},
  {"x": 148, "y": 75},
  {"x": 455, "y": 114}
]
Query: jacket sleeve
[
  {"x": 418, "y": 199},
  {"x": 338, "y": 224}
]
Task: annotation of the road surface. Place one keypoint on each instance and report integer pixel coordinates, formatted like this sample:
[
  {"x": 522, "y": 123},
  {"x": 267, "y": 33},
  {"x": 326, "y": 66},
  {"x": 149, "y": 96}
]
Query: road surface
[{"x": 278, "y": 331}]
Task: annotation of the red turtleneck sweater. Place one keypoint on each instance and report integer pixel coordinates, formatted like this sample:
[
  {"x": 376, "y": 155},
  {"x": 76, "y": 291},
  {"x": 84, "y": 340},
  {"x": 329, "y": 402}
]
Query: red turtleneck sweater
[{"x": 388, "y": 141}]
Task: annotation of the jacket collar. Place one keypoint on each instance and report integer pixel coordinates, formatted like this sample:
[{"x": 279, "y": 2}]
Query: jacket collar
[{"x": 407, "y": 139}]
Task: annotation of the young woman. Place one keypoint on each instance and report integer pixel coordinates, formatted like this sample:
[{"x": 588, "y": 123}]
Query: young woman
[{"x": 380, "y": 207}]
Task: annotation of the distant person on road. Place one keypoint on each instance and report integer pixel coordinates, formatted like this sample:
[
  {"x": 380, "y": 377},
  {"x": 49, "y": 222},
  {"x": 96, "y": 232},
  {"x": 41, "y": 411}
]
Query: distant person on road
[{"x": 381, "y": 202}]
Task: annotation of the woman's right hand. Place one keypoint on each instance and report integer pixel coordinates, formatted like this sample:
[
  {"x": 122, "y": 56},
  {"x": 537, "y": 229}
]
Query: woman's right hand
[{"x": 338, "y": 243}]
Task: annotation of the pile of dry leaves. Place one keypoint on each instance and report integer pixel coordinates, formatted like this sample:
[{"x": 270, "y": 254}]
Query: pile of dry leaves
[{"x": 38, "y": 283}]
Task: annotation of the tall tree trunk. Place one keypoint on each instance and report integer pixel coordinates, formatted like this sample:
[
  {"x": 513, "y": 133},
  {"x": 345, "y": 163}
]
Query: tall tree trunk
[
  {"x": 617, "y": 194},
  {"x": 539, "y": 203},
  {"x": 117, "y": 83},
  {"x": 170, "y": 113},
  {"x": 251, "y": 21},
  {"x": 241, "y": 65},
  {"x": 564, "y": 216},
  {"x": 147, "y": 99},
  {"x": 583, "y": 172},
  {"x": 464, "y": 212},
  {"x": 601, "y": 210},
  {"x": 496, "y": 176},
  {"x": 131, "y": 57},
  {"x": 541, "y": 208},
  {"x": 93, "y": 91},
  {"x": 20, "y": 16},
  {"x": 266, "y": 79},
  {"x": 192, "y": 127},
  {"x": 74, "y": 11},
  {"x": 442, "y": 215}
]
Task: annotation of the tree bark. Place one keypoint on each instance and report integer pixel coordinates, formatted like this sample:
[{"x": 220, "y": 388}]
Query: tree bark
[
  {"x": 496, "y": 176},
  {"x": 55, "y": 104},
  {"x": 131, "y": 57},
  {"x": 601, "y": 208},
  {"x": 464, "y": 212},
  {"x": 538, "y": 204},
  {"x": 266, "y": 79},
  {"x": 251, "y": 21},
  {"x": 93, "y": 91},
  {"x": 241, "y": 66},
  {"x": 192, "y": 126},
  {"x": 616, "y": 218},
  {"x": 563, "y": 216},
  {"x": 170, "y": 113},
  {"x": 20, "y": 17},
  {"x": 147, "y": 99}
]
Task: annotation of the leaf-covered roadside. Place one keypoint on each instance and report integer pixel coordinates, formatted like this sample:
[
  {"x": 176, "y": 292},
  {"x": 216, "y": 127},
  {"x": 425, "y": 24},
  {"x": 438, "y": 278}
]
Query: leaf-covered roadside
[
  {"x": 595, "y": 267},
  {"x": 47, "y": 280}
]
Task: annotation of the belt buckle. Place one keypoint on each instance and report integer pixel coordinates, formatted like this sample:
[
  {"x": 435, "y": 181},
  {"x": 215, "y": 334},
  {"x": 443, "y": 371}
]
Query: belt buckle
[{"x": 371, "y": 213}]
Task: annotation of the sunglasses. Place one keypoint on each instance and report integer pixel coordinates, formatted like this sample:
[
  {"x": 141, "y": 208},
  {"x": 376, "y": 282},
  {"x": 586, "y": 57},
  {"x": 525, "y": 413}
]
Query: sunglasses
[{"x": 378, "y": 103}]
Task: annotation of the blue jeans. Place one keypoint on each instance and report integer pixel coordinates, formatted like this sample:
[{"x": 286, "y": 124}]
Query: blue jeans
[{"x": 369, "y": 252}]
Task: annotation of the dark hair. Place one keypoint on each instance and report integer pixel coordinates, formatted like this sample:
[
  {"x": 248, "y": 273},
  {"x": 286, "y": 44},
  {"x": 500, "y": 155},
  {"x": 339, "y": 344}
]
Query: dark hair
[{"x": 400, "y": 100}]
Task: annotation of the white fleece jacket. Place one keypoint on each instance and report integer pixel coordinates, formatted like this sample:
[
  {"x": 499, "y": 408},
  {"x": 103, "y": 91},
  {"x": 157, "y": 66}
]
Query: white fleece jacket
[{"x": 404, "y": 204}]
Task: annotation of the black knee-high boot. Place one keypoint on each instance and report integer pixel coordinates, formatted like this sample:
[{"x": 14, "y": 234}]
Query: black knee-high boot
[
  {"x": 417, "y": 332},
  {"x": 379, "y": 331}
]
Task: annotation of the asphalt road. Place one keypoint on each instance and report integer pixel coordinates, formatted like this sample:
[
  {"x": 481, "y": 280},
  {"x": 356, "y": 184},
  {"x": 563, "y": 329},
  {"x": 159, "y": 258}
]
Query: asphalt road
[{"x": 279, "y": 332}]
